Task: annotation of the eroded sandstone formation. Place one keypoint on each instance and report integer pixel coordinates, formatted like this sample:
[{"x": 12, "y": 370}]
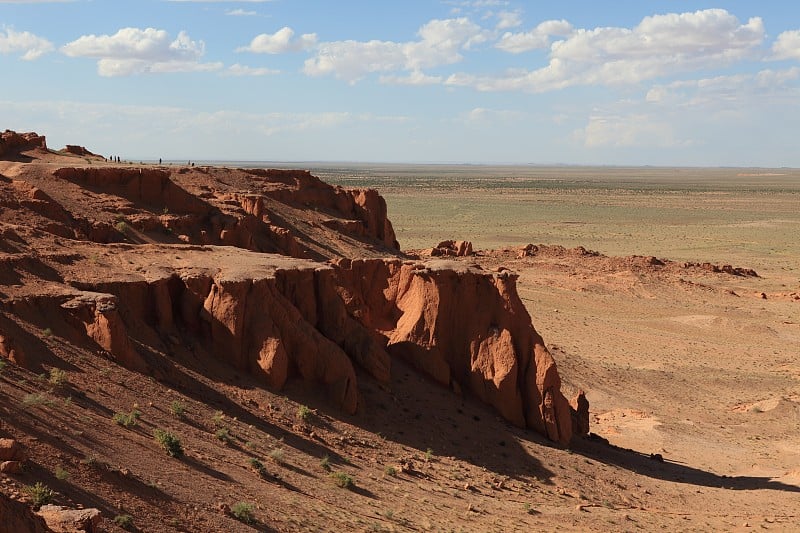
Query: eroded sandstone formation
[{"x": 167, "y": 287}]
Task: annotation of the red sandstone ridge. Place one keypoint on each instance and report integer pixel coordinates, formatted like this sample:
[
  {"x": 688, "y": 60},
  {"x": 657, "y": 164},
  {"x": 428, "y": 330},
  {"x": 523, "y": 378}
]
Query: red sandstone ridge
[
  {"x": 12, "y": 143},
  {"x": 144, "y": 265}
]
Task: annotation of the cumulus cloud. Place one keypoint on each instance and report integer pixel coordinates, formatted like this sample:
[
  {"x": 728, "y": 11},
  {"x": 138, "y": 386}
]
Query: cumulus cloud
[
  {"x": 440, "y": 43},
  {"x": 508, "y": 19},
  {"x": 659, "y": 46},
  {"x": 243, "y": 70},
  {"x": 136, "y": 51},
  {"x": 280, "y": 42},
  {"x": 538, "y": 37},
  {"x": 25, "y": 43},
  {"x": 787, "y": 46},
  {"x": 414, "y": 78}
]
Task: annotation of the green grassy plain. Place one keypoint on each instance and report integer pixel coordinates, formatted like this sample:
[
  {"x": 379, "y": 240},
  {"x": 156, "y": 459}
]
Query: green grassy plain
[{"x": 746, "y": 217}]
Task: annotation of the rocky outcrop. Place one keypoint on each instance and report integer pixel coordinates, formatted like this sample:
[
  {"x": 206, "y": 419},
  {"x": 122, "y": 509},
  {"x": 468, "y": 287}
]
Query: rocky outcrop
[
  {"x": 17, "y": 517},
  {"x": 74, "y": 149},
  {"x": 12, "y": 143},
  {"x": 459, "y": 323},
  {"x": 279, "y": 318},
  {"x": 452, "y": 249},
  {"x": 64, "y": 520}
]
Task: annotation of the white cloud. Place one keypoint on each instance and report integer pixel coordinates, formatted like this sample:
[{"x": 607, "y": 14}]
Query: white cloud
[
  {"x": 29, "y": 45},
  {"x": 482, "y": 115},
  {"x": 508, "y": 19},
  {"x": 243, "y": 70},
  {"x": 414, "y": 78},
  {"x": 239, "y": 12},
  {"x": 622, "y": 131},
  {"x": 440, "y": 43},
  {"x": 280, "y": 42},
  {"x": 136, "y": 51},
  {"x": 538, "y": 37},
  {"x": 660, "y": 45},
  {"x": 787, "y": 46},
  {"x": 775, "y": 87}
]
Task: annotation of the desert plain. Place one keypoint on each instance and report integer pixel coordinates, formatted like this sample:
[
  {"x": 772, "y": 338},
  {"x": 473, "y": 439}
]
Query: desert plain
[{"x": 670, "y": 296}]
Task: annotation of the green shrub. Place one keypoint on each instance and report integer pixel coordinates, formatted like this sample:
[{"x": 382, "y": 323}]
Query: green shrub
[
  {"x": 258, "y": 466},
  {"x": 57, "y": 377},
  {"x": 243, "y": 512},
  {"x": 168, "y": 441},
  {"x": 35, "y": 399},
  {"x": 303, "y": 413},
  {"x": 428, "y": 454},
  {"x": 125, "y": 521},
  {"x": 223, "y": 435},
  {"x": 218, "y": 418},
  {"x": 61, "y": 474},
  {"x": 342, "y": 480},
  {"x": 127, "y": 419},
  {"x": 390, "y": 471},
  {"x": 177, "y": 408},
  {"x": 40, "y": 494},
  {"x": 47, "y": 332},
  {"x": 325, "y": 463},
  {"x": 121, "y": 226},
  {"x": 277, "y": 456}
]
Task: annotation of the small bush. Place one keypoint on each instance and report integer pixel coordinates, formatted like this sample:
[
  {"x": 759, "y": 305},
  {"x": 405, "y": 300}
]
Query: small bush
[
  {"x": 223, "y": 435},
  {"x": 258, "y": 466},
  {"x": 168, "y": 441},
  {"x": 428, "y": 454},
  {"x": 243, "y": 512},
  {"x": 47, "y": 332},
  {"x": 34, "y": 399},
  {"x": 40, "y": 494},
  {"x": 218, "y": 418},
  {"x": 177, "y": 408},
  {"x": 325, "y": 463},
  {"x": 343, "y": 480},
  {"x": 303, "y": 413},
  {"x": 121, "y": 226},
  {"x": 127, "y": 419},
  {"x": 125, "y": 521},
  {"x": 57, "y": 377},
  {"x": 390, "y": 471},
  {"x": 277, "y": 456},
  {"x": 61, "y": 474}
]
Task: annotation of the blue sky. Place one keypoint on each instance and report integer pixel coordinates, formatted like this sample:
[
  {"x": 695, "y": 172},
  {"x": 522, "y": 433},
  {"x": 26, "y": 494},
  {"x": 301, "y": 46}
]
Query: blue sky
[{"x": 627, "y": 82}]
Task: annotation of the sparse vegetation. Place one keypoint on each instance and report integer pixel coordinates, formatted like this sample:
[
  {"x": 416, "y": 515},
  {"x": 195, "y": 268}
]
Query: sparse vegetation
[
  {"x": 168, "y": 441},
  {"x": 40, "y": 494},
  {"x": 258, "y": 466},
  {"x": 390, "y": 471},
  {"x": 127, "y": 419},
  {"x": 121, "y": 226},
  {"x": 61, "y": 474},
  {"x": 325, "y": 463},
  {"x": 125, "y": 521},
  {"x": 2, "y": 364},
  {"x": 35, "y": 399},
  {"x": 428, "y": 454},
  {"x": 177, "y": 408},
  {"x": 47, "y": 332},
  {"x": 223, "y": 435},
  {"x": 343, "y": 480},
  {"x": 276, "y": 456},
  {"x": 243, "y": 511},
  {"x": 218, "y": 418},
  {"x": 303, "y": 413},
  {"x": 57, "y": 377}
]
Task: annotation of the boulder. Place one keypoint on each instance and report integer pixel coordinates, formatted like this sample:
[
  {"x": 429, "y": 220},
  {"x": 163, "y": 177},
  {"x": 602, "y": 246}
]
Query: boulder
[
  {"x": 64, "y": 520},
  {"x": 17, "y": 517}
]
